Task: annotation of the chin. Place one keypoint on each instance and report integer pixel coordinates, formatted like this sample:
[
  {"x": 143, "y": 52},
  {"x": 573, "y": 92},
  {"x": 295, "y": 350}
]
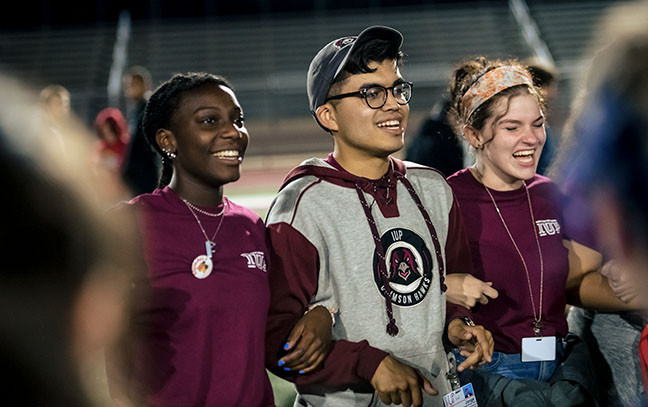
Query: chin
[
  {"x": 226, "y": 179},
  {"x": 527, "y": 175},
  {"x": 523, "y": 172},
  {"x": 389, "y": 150}
]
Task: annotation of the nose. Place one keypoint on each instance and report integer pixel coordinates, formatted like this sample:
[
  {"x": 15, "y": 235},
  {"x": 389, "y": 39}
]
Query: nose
[
  {"x": 232, "y": 131},
  {"x": 391, "y": 103},
  {"x": 530, "y": 136}
]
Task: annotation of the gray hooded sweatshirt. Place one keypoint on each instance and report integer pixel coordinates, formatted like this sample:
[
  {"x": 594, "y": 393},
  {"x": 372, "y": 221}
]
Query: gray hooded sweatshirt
[{"x": 376, "y": 253}]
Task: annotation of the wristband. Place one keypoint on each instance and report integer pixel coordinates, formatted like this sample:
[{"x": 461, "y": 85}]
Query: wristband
[
  {"x": 467, "y": 321},
  {"x": 331, "y": 310}
]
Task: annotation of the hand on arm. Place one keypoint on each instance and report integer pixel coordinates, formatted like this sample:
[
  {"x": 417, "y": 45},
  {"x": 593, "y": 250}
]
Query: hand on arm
[
  {"x": 293, "y": 283},
  {"x": 462, "y": 288},
  {"x": 398, "y": 383},
  {"x": 475, "y": 343},
  {"x": 309, "y": 341},
  {"x": 466, "y": 290},
  {"x": 588, "y": 288},
  {"x": 620, "y": 281},
  {"x": 594, "y": 292}
]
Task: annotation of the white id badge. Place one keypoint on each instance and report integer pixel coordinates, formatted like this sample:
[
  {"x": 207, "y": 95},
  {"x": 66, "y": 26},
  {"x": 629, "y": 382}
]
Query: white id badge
[
  {"x": 539, "y": 349},
  {"x": 463, "y": 397}
]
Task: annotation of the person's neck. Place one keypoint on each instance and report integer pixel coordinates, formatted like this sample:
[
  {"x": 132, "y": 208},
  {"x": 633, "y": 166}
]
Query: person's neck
[
  {"x": 363, "y": 166},
  {"x": 197, "y": 194},
  {"x": 492, "y": 180}
]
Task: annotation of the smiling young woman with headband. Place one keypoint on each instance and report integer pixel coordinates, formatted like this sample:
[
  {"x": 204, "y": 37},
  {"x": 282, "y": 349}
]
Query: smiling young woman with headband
[{"x": 515, "y": 226}]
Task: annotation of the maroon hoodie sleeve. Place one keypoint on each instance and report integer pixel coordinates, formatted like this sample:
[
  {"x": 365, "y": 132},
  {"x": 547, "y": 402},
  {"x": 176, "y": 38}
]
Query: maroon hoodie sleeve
[
  {"x": 458, "y": 258},
  {"x": 293, "y": 283}
]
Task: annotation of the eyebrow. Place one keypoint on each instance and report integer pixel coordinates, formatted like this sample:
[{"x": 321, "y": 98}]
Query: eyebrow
[
  {"x": 371, "y": 85},
  {"x": 519, "y": 122},
  {"x": 206, "y": 108},
  {"x": 236, "y": 110}
]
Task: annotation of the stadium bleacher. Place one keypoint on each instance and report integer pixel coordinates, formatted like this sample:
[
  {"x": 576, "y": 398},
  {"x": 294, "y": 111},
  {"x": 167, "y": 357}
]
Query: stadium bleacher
[{"x": 266, "y": 56}]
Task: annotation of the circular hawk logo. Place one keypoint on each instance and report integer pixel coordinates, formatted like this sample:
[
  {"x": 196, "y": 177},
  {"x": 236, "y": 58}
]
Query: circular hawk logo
[{"x": 409, "y": 265}]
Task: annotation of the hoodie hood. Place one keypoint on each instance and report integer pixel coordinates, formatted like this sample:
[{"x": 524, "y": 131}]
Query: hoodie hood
[
  {"x": 382, "y": 190},
  {"x": 327, "y": 171}
]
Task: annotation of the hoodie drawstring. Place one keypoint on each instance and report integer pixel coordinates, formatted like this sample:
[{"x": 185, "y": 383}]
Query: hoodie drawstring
[
  {"x": 428, "y": 222},
  {"x": 392, "y": 328}
]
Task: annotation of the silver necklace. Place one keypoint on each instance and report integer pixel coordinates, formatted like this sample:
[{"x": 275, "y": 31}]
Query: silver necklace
[
  {"x": 197, "y": 209},
  {"x": 203, "y": 265},
  {"x": 537, "y": 317}
]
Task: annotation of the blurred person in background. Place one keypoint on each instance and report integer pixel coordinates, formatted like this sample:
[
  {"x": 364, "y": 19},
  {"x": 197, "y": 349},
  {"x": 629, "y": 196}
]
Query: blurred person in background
[
  {"x": 435, "y": 144},
  {"x": 55, "y": 101},
  {"x": 603, "y": 168},
  {"x": 108, "y": 154},
  {"x": 141, "y": 169},
  {"x": 64, "y": 287}
]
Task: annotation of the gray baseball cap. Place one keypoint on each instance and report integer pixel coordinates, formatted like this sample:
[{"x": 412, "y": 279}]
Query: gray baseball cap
[{"x": 330, "y": 60}]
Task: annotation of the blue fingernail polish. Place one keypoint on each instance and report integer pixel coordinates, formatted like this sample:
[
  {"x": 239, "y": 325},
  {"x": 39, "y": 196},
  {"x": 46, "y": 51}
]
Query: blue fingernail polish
[
  {"x": 286, "y": 368},
  {"x": 286, "y": 346},
  {"x": 301, "y": 372},
  {"x": 281, "y": 363}
]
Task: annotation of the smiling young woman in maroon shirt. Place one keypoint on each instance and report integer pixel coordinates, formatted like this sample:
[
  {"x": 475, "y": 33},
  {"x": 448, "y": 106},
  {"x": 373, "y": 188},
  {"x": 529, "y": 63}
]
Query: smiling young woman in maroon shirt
[
  {"x": 205, "y": 299},
  {"x": 514, "y": 224}
]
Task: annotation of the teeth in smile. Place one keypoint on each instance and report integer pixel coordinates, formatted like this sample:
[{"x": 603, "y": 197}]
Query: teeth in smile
[
  {"x": 227, "y": 153},
  {"x": 525, "y": 153},
  {"x": 389, "y": 123}
]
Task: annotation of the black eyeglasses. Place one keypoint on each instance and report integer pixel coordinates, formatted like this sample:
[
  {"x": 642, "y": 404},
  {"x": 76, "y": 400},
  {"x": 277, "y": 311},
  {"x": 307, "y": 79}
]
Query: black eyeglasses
[{"x": 376, "y": 96}]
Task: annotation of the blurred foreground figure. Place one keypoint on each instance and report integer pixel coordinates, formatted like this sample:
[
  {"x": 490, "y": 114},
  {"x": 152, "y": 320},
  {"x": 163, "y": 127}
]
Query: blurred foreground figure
[
  {"x": 606, "y": 162},
  {"x": 64, "y": 281},
  {"x": 545, "y": 77}
]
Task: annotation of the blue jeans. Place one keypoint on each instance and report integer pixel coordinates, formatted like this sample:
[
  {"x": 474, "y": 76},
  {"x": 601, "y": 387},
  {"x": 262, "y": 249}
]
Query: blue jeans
[{"x": 511, "y": 366}]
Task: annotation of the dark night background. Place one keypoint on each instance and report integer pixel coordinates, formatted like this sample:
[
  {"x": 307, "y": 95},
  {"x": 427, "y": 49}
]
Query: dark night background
[{"x": 35, "y": 14}]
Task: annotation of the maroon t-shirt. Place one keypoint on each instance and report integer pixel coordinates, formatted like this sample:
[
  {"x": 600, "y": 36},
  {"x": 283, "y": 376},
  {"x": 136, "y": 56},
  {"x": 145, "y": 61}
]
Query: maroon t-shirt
[
  {"x": 203, "y": 338},
  {"x": 510, "y": 316}
]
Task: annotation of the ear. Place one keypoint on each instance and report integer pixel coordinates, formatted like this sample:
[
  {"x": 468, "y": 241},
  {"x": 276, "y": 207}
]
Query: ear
[
  {"x": 473, "y": 137},
  {"x": 326, "y": 116},
  {"x": 166, "y": 140}
]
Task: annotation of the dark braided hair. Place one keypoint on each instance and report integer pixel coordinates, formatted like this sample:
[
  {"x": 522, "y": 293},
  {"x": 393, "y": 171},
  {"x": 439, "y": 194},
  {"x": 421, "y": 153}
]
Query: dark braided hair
[{"x": 163, "y": 104}]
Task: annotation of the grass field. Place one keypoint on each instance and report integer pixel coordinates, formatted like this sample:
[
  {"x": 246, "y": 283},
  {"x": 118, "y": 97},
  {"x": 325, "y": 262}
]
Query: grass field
[{"x": 284, "y": 391}]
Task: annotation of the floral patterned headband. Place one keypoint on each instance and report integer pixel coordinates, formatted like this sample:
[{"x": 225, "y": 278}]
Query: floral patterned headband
[{"x": 490, "y": 84}]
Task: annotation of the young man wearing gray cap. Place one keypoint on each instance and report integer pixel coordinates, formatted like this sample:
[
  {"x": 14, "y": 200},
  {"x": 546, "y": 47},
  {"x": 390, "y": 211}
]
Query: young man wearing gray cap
[{"x": 369, "y": 238}]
